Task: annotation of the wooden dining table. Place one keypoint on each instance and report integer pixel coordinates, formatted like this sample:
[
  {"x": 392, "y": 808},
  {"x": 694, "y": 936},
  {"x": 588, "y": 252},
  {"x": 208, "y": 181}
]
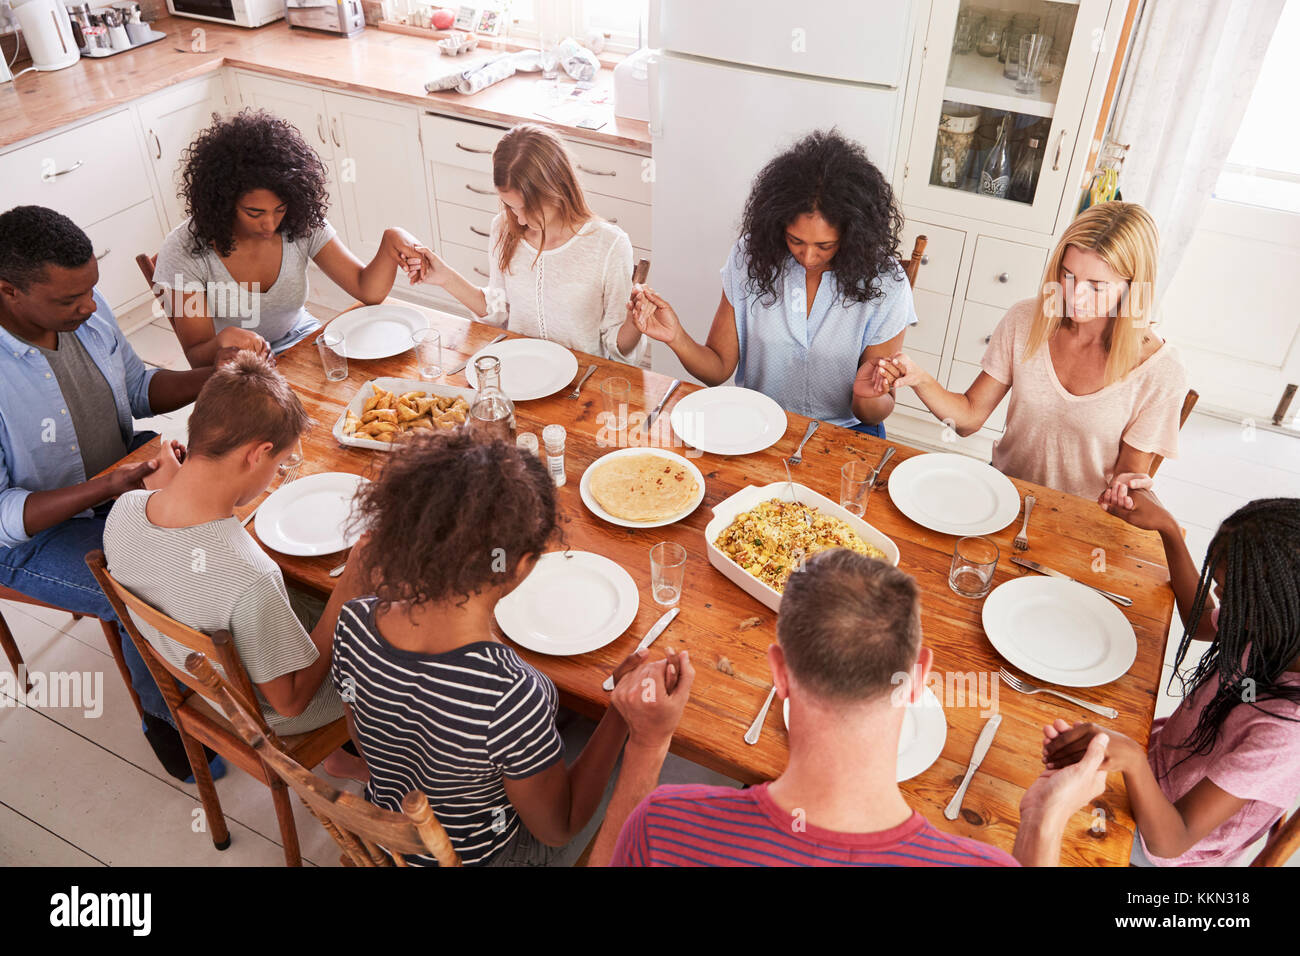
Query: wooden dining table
[{"x": 727, "y": 632}]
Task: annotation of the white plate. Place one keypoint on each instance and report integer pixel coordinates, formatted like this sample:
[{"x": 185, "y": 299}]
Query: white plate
[
  {"x": 588, "y": 499},
  {"x": 530, "y": 368},
  {"x": 728, "y": 420},
  {"x": 954, "y": 494},
  {"x": 378, "y": 331},
  {"x": 571, "y": 602},
  {"x": 1059, "y": 631},
  {"x": 924, "y": 732},
  {"x": 400, "y": 386},
  {"x": 725, "y": 511},
  {"x": 310, "y": 516}
]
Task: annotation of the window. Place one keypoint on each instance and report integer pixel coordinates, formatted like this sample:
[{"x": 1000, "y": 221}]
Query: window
[
  {"x": 626, "y": 21},
  {"x": 1263, "y": 167}
]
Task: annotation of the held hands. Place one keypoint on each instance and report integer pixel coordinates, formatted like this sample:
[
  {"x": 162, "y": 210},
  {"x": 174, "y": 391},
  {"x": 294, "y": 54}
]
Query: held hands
[
  {"x": 241, "y": 339},
  {"x": 406, "y": 251},
  {"x": 651, "y": 695},
  {"x": 1128, "y": 496},
  {"x": 169, "y": 462},
  {"x": 1063, "y": 788},
  {"x": 896, "y": 371},
  {"x": 430, "y": 268},
  {"x": 652, "y": 315},
  {"x": 1067, "y": 745}
]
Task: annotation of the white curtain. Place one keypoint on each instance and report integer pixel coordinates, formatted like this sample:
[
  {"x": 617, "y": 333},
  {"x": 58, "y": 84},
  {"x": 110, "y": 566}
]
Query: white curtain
[{"x": 1191, "y": 70}]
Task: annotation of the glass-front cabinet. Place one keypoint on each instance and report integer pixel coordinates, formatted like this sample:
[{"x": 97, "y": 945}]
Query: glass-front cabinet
[{"x": 1001, "y": 97}]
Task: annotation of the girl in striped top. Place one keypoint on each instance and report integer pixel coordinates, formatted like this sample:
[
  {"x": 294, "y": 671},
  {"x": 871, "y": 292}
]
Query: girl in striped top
[{"x": 434, "y": 700}]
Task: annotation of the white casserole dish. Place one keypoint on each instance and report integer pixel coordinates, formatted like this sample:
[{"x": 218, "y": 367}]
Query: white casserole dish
[{"x": 398, "y": 385}]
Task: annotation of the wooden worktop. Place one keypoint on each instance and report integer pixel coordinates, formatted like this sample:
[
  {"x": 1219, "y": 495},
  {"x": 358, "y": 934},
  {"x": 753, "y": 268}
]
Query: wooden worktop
[{"x": 376, "y": 63}]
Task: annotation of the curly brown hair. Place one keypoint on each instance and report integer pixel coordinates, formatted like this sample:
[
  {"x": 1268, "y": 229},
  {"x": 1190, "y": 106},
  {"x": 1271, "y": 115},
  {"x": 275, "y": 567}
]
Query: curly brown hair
[
  {"x": 251, "y": 150},
  {"x": 450, "y": 515}
]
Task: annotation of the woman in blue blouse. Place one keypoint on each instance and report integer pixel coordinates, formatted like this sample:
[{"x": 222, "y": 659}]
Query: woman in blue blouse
[{"x": 812, "y": 293}]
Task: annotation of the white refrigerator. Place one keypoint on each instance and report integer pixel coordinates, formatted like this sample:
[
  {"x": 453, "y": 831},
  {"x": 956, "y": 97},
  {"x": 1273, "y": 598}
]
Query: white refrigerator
[{"x": 735, "y": 83}]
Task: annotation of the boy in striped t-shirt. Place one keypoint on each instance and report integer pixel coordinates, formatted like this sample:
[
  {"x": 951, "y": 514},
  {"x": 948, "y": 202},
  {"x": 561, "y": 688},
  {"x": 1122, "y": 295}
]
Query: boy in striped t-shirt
[{"x": 848, "y": 627}]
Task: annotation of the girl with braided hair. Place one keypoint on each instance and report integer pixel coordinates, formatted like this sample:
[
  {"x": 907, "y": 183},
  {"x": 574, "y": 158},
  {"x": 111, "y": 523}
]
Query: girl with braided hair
[{"x": 1226, "y": 764}]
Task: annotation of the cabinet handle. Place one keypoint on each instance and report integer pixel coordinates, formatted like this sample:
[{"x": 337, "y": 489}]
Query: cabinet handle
[
  {"x": 334, "y": 131},
  {"x": 481, "y": 152},
  {"x": 481, "y": 192},
  {"x": 157, "y": 146},
  {"x": 1060, "y": 141},
  {"x": 479, "y": 232},
  {"x": 613, "y": 222},
  {"x": 595, "y": 172},
  {"x": 481, "y": 272},
  {"x": 988, "y": 338},
  {"x": 102, "y": 254},
  {"x": 63, "y": 172},
  {"x": 925, "y": 260},
  {"x": 1004, "y": 277},
  {"x": 320, "y": 131}
]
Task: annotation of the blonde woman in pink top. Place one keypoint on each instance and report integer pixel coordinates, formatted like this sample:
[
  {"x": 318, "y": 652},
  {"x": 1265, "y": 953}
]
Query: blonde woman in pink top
[
  {"x": 1094, "y": 392},
  {"x": 1226, "y": 764}
]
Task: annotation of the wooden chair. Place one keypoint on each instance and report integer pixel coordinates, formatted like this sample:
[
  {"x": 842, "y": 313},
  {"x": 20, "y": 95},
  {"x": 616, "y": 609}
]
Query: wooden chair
[
  {"x": 200, "y": 725},
  {"x": 1282, "y": 843},
  {"x": 912, "y": 265},
  {"x": 15, "y": 656},
  {"x": 1188, "y": 404},
  {"x": 359, "y": 828}
]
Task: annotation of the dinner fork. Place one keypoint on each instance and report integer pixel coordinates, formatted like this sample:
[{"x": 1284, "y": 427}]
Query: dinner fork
[
  {"x": 289, "y": 476},
  {"x": 798, "y": 452},
  {"x": 1022, "y": 540},
  {"x": 1016, "y": 683},
  {"x": 793, "y": 497}
]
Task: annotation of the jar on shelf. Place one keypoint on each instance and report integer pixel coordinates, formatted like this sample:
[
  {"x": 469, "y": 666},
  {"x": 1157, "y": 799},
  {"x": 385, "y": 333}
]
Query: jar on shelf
[
  {"x": 953, "y": 145},
  {"x": 989, "y": 42}
]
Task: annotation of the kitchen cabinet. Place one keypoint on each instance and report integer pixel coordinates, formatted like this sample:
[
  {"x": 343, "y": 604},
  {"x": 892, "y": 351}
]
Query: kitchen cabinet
[{"x": 170, "y": 121}]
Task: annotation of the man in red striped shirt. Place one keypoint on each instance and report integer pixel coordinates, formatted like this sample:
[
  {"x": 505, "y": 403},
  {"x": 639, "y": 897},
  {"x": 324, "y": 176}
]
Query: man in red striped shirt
[{"x": 848, "y": 625}]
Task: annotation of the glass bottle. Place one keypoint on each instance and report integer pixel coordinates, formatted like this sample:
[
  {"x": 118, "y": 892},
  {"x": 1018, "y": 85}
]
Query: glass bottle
[
  {"x": 493, "y": 413},
  {"x": 995, "y": 177},
  {"x": 1024, "y": 180}
]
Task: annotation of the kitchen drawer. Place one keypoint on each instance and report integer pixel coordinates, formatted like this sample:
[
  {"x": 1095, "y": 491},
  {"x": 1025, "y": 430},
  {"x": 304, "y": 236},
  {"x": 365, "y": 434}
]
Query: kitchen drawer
[
  {"x": 459, "y": 142},
  {"x": 464, "y": 187},
  {"x": 961, "y": 376},
  {"x": 93, "y": 171},
  {"x": 1005, "y": 272},
  {"x": 632, "y": 217},
  {"x": 942, "y": 256},
  {"x": 932, "y": 310},
  {"x": 611, "y": 172},
  {"x": 977, "y": 325},
  {"x": 470, "y": 262},
  {"x": 117, "y": 240},
  {"x": 469, "y": 227},
  {"x": 907, "y": 396}
]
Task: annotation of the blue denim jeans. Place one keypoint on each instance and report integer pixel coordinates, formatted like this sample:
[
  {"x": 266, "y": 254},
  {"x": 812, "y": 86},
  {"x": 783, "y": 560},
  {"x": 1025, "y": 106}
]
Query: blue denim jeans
[
  {"x": 51, "y": 567},
  {"x": 878, "y": 430}
]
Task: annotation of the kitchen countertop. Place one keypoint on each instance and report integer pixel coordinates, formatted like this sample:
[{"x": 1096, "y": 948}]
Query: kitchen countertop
[{"x": 376, "y": 63}]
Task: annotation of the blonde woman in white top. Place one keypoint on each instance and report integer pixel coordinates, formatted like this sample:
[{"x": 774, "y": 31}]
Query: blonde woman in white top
[
  {"x": 557, "y": 271},
  {"x": 1094, "y": 392}
]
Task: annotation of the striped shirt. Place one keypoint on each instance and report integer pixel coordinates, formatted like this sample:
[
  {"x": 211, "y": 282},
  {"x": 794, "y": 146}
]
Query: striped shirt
[
  {"x": 720, "y": 826},
  {"x": 213, "y": 577},
  {"x": 452, "y": 725}
]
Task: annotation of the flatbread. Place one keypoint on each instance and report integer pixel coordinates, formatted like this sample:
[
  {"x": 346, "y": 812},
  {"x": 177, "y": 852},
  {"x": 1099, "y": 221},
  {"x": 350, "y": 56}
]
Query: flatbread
[{"x": 643, "y": 487}]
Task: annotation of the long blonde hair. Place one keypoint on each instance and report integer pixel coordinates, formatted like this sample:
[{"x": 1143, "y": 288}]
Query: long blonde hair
[
  {"x": 533, "y": 161},
  {"x": 1124, "y": 235}
]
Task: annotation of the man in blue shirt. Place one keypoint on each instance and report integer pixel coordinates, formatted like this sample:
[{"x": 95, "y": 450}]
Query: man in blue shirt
[{"x": 70, "y": 386}]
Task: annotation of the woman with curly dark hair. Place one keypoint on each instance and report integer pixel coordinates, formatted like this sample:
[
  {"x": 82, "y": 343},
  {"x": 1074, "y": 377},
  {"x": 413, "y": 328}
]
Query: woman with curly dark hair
[
  {"x": 435, "y": 702},
  {"x": 812, "y": 293},
  {"x": 235, "y": 272}
]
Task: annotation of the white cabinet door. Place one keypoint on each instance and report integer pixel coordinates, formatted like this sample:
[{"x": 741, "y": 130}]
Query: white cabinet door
[
  {"x": 170, "y": 122},
  {"x": 380, "y": 170},
  {"x": 117, "y": 240}
]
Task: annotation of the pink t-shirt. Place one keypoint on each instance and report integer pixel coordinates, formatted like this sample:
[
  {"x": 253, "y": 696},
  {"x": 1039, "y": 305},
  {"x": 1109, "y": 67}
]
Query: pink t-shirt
[
  {"x": 1070, "y": 442},
  {"x": 1256, "y": 758}
]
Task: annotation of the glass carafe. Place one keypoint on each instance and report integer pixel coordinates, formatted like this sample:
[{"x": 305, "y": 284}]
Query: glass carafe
[{"x": 493, "y": 413}]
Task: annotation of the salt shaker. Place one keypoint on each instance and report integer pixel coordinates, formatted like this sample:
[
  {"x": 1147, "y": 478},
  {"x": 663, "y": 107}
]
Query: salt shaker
[
  {"x": 553, "y": 436},
  {"x": 527, "y": 441}
]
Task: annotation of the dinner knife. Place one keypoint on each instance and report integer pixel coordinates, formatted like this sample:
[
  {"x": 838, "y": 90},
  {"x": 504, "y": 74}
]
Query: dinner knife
[
  {"x": 645, "y": 427},
  {"x": 1035, "y": 566},
  {"x": 889, "y": 453},
  {"x": 981, "y": 749},
  {"x": 461, "y": 367},
  {"x": 656, "y": 629}
]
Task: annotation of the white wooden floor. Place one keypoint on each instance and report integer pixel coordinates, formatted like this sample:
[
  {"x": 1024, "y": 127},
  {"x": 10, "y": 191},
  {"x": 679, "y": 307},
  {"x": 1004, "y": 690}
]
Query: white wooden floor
[{"x": 83, "y": 790}]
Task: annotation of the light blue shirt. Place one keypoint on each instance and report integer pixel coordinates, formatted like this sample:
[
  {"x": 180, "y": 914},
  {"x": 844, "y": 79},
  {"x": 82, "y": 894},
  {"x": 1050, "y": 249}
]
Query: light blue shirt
[
  {"x": 806, "y": 359},
  {"x": 38, "y": 443}
]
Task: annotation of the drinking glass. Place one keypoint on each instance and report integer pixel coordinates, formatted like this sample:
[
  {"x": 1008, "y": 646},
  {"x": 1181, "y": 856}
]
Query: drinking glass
[
  {"x": 855, "y": 487},
  {"x": 292, "y": 460},
  {"x": 973, "y": 562},
  {"x": 1034, "y": 48},
  {"x": 667, "y": 571},
  {"x": 333, "y": 355},
  {"x": 428, "y": 353},
  {"x": 989, "y": 39},
  {"x": 968, "y": 24},
  {"x": 616, "y": 393}
]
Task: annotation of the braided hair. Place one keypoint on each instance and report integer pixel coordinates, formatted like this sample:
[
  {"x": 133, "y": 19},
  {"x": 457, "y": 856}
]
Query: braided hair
[{"x": 1258, "y": 548}]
